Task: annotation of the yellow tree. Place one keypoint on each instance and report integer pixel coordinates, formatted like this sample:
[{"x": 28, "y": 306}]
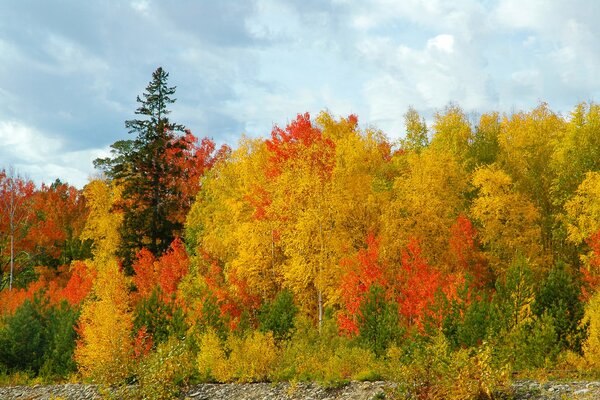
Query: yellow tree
[
  {"x": 104, "y": 347},
  {"x": 583, "y": 224},
  {"x": 527, "y": 143},
  {"x": 452, "y": 132},
  {"x": 428, "y": 198},
  {"x": 355, "y": 201},
  {"x": 508, "y": 220},
  {"x": 301, "y": 162}
]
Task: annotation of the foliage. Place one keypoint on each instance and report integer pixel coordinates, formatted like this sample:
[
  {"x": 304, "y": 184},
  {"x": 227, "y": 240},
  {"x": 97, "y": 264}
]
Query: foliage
[
  {"x": 558, "y": 296},
  {"x": 378, "y": 322},
  {"x": 430, "y": 370},
  {"x": 161, "y": 374},
  {"x": 40, "y": 338},
  {"x": 278, "y": 316}
]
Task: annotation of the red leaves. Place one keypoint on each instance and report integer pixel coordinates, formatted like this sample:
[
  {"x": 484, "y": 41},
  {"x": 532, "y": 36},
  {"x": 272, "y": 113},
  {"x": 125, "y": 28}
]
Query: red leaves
[
  {"x": 362, "y": 271},
  {"x": 165, "y": 272},
  {"x": 419, "y": 283},
  {"x": 80, "y": 283},
  {"x": 591, "y": 275},
  {"x": 300, "y": 142},
  {"x": 467, "y": 259}
]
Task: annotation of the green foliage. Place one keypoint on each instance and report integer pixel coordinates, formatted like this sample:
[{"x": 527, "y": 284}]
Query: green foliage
[
  {"x": 324, "y": 356},
  {"x": 278, "y": 316},
  {"x": 39, "y": 338},
  {"x": 161, "y": 319},
  {"x": 530, "y": 345},
  {"x": 428, "y": 369},
  {"x": 163, "y": 372},
  {"x": 467, "y": 324},
  {"x": 378, "y": 322},
  {"x": 60, "y": 330},
  {"x": 141, "y": 166},
  {"x": 558, "y": 296}
]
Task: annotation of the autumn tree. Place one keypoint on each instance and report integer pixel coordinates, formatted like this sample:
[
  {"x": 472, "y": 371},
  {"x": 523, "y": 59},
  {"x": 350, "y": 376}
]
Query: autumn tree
[
  {"x": 416, "y": 131},
  {"x": 509, "y": 221},
  {"x": 15, "y": 201},
  {"x": 159, "y": 171},
  {"x": 527, "y": 143},
  {"x": 104, "y": 346}
]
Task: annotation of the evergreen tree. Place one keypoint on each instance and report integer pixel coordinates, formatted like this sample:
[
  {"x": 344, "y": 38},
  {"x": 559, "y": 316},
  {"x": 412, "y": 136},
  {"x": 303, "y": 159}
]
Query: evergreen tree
[{"x": 145, "y": 169}]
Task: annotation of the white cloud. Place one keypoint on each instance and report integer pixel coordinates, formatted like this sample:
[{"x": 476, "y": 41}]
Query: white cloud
[
  {"x": 43, "y": 158},
  {"x": 442, "y": 42}
]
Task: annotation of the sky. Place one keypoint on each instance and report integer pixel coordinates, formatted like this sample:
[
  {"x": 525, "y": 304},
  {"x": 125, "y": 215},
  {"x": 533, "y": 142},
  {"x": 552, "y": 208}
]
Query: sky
[{"x": 70, "y": 70}]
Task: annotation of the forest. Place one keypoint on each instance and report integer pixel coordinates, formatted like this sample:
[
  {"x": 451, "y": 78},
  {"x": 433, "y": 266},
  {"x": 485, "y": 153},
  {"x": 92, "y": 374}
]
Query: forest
[{"x": 452, "y": 260}]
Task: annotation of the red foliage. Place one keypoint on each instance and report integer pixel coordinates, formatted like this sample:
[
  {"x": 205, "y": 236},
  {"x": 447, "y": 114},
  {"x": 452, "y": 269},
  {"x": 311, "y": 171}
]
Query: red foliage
[
  {"x": 166, "y": 272},
  {"x": 467, "y": 259},
  {"x": 146, "y": 275},
  {"x": 300, "y": 142},
  {"x": 591, "y": 276},
  {"x": 172, "y": 267},
  {"x": 80, "y": 283},
  {"x": 362, "y": 271},
  {"x": 419, "y": 283},
  {"x": 143, "y": 343}
]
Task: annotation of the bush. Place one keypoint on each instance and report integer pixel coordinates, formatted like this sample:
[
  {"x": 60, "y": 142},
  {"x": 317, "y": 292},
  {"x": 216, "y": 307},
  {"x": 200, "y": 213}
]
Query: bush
[
  {"x": 161, "y": 319},
  {"x": 251, "y": 359},
  {"x": 324, "y": 357},
  {"x": 559, "y": 297},
  {"x": 211, "y": 360},
  {"x": 278, "y": 316},
  {"x": 378, "y": 323},
  {"x": 430, "y": 370},
  {"x": 163, "y": 372},
  {"x": 39, "y": 338}
]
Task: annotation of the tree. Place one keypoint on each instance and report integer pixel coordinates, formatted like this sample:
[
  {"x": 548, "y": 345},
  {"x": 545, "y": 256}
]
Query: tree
[
  {"x": 148, "y": 177},
  {"x": 15, "y": 200},
  {"x": 416, "y": 131},
  {"x": 508, "y": 219}
]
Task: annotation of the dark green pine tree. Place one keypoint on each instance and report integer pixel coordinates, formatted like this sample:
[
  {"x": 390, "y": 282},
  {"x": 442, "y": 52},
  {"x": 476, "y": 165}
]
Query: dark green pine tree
[{"x": 147, "y": 169}]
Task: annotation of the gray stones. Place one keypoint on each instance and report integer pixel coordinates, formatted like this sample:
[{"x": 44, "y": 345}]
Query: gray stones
[{"x": 297, "y": 391}]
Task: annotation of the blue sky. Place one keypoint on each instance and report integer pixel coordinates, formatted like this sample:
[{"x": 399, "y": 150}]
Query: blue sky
[{"x": 70, "y": 70}]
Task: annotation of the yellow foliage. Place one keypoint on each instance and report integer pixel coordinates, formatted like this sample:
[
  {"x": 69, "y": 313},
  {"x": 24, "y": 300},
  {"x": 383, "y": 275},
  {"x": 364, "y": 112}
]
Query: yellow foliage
[
  {"x": 452, "y": 132},
  {"x": 427, "y": 201},
  {"x": 583, "y": 209},
  {"x": 212, "y": 362},
  {"x": 104, "y": 349},
  {"x": 509, "y": 220},
  {"x": 102, "y": 225},
  {"x": 591, "y": 347},
  {"x": 251, "y": 359}
]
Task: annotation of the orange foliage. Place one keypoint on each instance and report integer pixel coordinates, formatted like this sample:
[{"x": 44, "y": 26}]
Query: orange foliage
[
  {"x": 591, "y": 275},
  {"x": 300, "y": 141},
  {"x": 80, "y": 284},
  {"x": 419, "y": 283},
  {"x": 362, "y": 272},
  {"x": 466, "y": 257},
  {"x": 166, "y": 272}
]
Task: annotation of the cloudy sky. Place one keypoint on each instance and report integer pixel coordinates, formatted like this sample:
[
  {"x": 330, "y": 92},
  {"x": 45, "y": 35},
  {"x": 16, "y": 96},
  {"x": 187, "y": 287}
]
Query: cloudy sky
[{"x": 70, "y": 70}]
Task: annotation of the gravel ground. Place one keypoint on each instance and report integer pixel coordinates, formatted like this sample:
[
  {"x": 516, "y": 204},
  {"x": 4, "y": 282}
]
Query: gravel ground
[{"x": 302, "y": 391}]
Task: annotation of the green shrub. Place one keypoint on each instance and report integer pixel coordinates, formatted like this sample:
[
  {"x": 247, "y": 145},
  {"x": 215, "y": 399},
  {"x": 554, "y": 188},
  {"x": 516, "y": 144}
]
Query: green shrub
[
  {"x": 160, "y": 318},
  {"x": 39, "y": 338},
  {"x": 164, "y": 371},
  {"x": 378, "y": 322},
  {"x": 559, "y": 296},
  {"x": 278, "y": 316}
]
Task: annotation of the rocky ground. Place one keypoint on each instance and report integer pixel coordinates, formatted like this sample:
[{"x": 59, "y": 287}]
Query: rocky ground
[{"x": 355, "y": 390}]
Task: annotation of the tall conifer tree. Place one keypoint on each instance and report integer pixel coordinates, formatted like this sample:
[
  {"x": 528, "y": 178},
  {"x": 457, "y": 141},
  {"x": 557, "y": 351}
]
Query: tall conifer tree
[{"x": 145, "y": 170}]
